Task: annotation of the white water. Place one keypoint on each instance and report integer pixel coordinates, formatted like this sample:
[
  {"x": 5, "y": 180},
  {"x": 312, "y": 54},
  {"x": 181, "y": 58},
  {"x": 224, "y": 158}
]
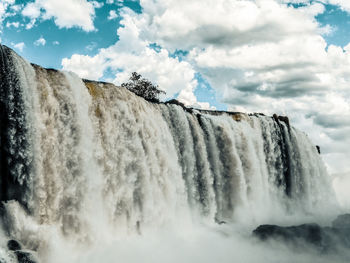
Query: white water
[{"x": 112, "y": 174}]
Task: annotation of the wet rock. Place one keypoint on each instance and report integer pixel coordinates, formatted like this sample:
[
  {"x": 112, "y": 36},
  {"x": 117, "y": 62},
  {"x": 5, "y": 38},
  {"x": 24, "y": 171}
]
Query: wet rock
[
  {"x": 220, "y": 222},
  {"x": 318, "y": 149},
  {"x": 176, "y": 102},
  {"x": 284, "y": 119},
  {"x": 342, "y": 221},
  {"x": 25, "y": 257},
  {"x": 321, "y": 238},
  {"x": 309, "y": 233},
  {"x": 14, "y": 245}
]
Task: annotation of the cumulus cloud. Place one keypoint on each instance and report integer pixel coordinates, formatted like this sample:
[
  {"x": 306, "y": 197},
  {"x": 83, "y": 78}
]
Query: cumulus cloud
[
  {"x": 66, "y": 13},
  {"x": 20, "y": 46},
  {"x": 118, "y": 2},
  {"x": 112, "y": 15},
  {"x": 31, "y": 10},
  {"x": 134, "y": 54},
  {"x": 30, "y": 24},
  {"x": 40, "y": 42},
  {"x": 262, "y": 55},
  {"x": 14, "y": 24},
  {"x": 4, "y": 5},
  {"x": 85, "y": 66},
  {"x": 16, "y": 8},
  {"x": 97, "y": 4}
]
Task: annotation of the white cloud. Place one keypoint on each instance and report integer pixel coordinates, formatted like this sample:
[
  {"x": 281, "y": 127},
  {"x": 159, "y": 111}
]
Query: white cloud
[
  {"x": 16, "y": 8},
  {"x": 112, "y": 15},
  {"x": 66, "y": 13},
  {"x": 327, "y": 30},
  {"x": 14, "y": 24},
  {"x": 222, "y": 23},
  {"x": 133, "y": 54},
  {"x": 30, "y": 24},
  {"x": 91, "y": 46},
  {"x": 97, "y": 4},
  {"x": 85, "y": 66},
  {"x": 20, "y": 46},
  {"x": 187, "y": 97},
  {"x": 258, "y": 55},
  {"x": 31, "y": 10},
  {"x": 40, "y": 42},
  {"x": 4, "y": 5},
  {"x": 56, "y": 43},
  {"x": 118, "y": 2},
  {"x": 2, "y": 11}
]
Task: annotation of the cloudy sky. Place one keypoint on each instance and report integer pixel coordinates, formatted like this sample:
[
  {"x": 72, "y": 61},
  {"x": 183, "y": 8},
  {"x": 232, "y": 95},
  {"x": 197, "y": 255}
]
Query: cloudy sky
[{"x": 290, "y": 57}]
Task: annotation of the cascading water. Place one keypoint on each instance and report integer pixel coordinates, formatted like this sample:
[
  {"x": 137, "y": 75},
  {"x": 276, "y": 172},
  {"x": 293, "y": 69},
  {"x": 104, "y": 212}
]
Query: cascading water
[{"x": 83, "y": 162}]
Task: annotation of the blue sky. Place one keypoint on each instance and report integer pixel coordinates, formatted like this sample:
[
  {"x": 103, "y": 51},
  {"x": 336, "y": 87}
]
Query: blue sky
[
  {"x": 71, "y": 40},
  {"x": 340, "y": 20},
  {"x": 290, "y": 57},
  {"x": 64, "y": 42}
]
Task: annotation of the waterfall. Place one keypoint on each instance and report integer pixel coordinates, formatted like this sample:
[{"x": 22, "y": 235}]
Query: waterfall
[{"x": 88, "y": 160}]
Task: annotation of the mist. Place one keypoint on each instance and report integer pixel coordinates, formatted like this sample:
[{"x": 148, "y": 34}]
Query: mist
[{"x": 198, "y": 244}]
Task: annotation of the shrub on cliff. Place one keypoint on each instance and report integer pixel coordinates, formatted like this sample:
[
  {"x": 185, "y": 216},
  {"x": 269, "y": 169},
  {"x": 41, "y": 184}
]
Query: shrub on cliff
[{"x": 143, "y": 87}]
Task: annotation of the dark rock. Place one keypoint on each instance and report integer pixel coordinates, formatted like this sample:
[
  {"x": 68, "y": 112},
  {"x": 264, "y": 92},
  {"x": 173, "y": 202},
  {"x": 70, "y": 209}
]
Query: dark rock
[
  {"x": 310, "y": 233},
  {"x": 176, "y": 102},
  {"x": 14, "y": 245},
  {"x": 318, "y": 149},
  {"x": 96, "y": 82},
  {"x": 260, "y": 114},
  {"x": 220, "y": 222},
  {"x": 48, "y": 69},
  {"x": 13, "y": 119},
  {"x": 284, "y": 119},
  {"x": 286, "y": 178},
  {"x": 25, "y": 257},
  {"x": 322, "y": 238},
  {"x": 342, "y": 221}
]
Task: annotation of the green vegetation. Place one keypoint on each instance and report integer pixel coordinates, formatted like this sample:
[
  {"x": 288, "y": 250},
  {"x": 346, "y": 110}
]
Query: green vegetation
[{"x": 143, "y": 87}]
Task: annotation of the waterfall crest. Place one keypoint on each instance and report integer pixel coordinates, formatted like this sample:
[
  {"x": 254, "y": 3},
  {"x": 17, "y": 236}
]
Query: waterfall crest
[{"x": 77, "y": 154}]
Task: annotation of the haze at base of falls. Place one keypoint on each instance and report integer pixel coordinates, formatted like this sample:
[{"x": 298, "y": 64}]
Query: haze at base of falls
[
  {"x": 104, "y": 164},
  {"x": 199, "y": 244}
]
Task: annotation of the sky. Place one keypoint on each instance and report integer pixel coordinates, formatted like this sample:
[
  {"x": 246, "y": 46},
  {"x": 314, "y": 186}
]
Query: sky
[{"x": 290, "y": 57}]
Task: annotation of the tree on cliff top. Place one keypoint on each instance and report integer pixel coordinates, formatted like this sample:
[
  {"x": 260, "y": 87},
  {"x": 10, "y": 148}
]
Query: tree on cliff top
[{"x": 143, "y": 87}]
